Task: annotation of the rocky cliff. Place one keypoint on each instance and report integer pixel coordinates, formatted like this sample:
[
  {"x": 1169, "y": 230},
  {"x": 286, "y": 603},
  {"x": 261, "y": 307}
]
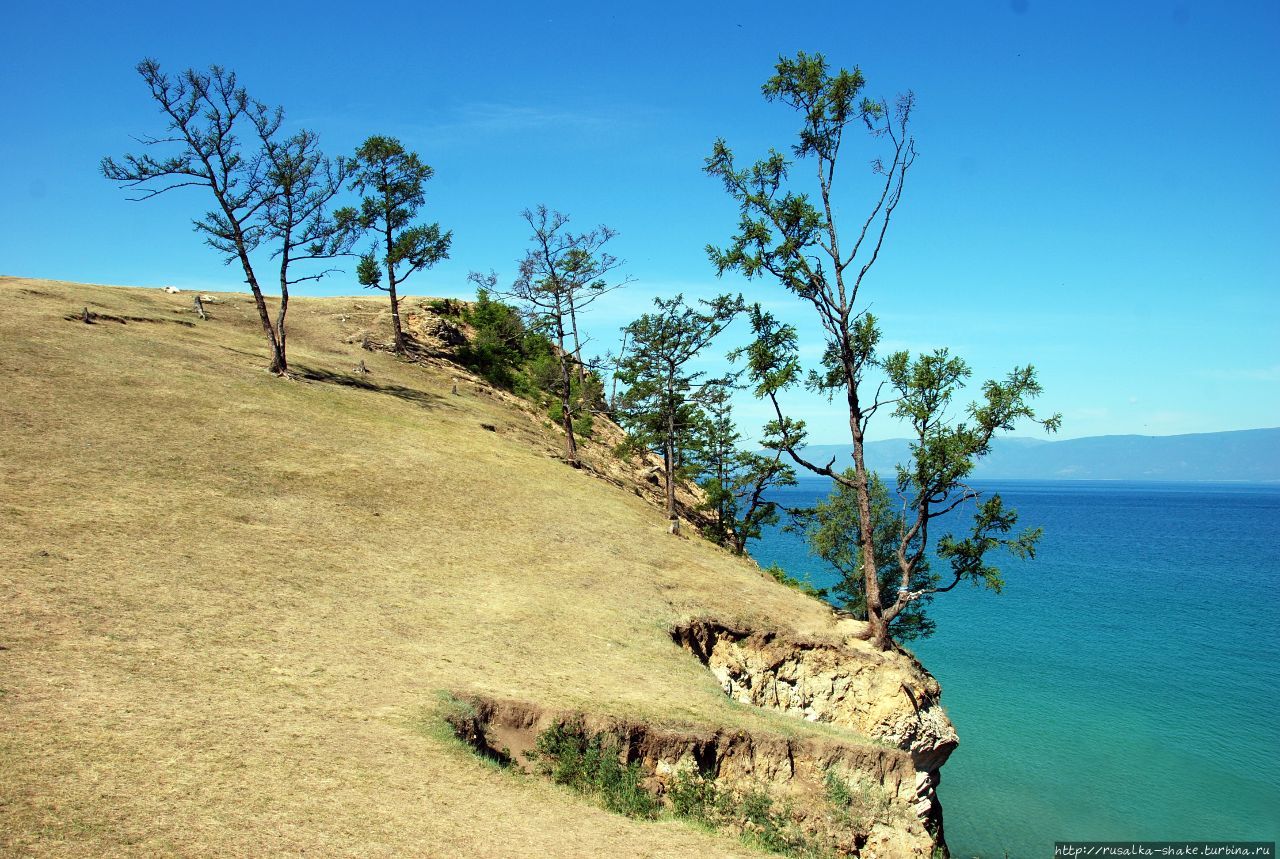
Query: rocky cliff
[
  {"x": 888, "y": 697},
  {"x": 867, "y": 789}
]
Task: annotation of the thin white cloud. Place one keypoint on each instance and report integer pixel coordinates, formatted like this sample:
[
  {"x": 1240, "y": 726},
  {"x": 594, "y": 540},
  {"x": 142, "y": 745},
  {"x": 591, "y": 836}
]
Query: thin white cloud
[{"x": 496, "y": 118}]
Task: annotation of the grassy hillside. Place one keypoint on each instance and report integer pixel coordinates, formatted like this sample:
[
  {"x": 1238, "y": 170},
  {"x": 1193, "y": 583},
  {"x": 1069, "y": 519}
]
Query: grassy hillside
[{"x": 232, "y": 602}]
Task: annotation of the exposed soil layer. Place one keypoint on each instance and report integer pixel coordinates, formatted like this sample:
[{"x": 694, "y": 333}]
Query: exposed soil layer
[
  {"x": 886, "y": 696},
  {"x": 792, "y": 770}
]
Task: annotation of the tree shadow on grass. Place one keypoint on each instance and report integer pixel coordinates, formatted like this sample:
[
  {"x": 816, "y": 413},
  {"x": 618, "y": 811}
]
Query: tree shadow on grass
[{"x": 411, "y": 395}]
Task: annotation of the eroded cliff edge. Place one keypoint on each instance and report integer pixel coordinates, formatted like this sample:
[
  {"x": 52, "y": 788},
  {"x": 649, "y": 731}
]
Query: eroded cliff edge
[
  {"x": 866, "y": 788},
  {"x": 888, "y": 697}
]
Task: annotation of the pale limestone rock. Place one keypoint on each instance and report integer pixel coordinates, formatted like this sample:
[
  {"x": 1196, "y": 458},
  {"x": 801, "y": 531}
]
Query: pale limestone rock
[{"x": 887, "y": 696}]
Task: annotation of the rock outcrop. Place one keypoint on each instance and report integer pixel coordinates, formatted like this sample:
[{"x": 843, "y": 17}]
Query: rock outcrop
[
  {"x": 794, "y": 772},
  {"x": 895, "y": 739},
  {"x": 888, "y": 697}
]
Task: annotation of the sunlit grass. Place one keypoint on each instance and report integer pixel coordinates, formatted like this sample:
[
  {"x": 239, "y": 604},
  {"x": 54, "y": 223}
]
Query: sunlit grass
[{"x": 228, "y": 596}]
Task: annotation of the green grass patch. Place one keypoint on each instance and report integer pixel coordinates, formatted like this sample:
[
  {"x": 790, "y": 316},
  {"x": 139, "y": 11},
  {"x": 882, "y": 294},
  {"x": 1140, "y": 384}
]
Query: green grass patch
[
  {"x": 441, "y": 723},
  {"x": 858, "y": 804},
  {"x": 762, "y": 822},
  {"x": 593, "y": 765}
]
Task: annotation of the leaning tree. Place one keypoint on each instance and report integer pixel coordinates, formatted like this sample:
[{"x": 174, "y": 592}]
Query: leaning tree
[
  {"x": 796, "y": 238},
  {"x": 560, "y": 276},
  {"x": 268, "y": 192}
]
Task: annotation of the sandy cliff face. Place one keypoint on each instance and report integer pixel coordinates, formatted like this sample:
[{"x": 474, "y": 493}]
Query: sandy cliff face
[
  {"x": 894, "y": 741},
  {"x": 889, "y": 697}
]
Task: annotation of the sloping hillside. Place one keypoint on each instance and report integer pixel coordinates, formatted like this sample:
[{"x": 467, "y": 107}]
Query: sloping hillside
[{"x": 233, "y": 603}]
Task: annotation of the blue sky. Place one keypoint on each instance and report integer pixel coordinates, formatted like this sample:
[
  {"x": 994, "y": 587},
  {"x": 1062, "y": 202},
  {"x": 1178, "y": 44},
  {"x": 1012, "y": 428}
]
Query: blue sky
[{"x": 1098, "y": 189}]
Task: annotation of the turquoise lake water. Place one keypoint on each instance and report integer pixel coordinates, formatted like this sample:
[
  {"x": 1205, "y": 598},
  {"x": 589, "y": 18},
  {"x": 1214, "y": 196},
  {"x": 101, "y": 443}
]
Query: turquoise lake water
[{"x": 1126, "y": 684}]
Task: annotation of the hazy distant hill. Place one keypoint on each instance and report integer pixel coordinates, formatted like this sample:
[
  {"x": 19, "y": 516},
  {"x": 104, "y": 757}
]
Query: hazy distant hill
[{"x": 1247, "y": 455}]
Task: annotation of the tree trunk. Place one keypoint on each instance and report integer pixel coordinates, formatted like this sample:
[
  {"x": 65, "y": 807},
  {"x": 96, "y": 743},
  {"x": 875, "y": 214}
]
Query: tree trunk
[
  {"x": 397, "y": 333},
  {"x": 284, "y": 296},
  {"x": 398, "y": 343},
  {"x": 669, "y": 463},
  {"x": 723, "y": 505},
  {"x": 613, "y": 394},
  {"x": 878, "y": 627},
  {"x": 577, "y": 344},
  {"x": 279, "y": 365},
  {"x": 566, "y": 389}
]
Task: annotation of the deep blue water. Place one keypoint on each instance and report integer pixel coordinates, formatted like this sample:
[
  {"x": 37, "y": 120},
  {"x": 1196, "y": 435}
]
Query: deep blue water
[{"x": 1126, "y": 684}]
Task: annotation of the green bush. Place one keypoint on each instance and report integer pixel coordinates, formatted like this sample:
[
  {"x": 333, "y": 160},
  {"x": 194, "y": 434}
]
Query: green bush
[
  {"x": 590, "y": 764},
  {"x": 496, "y": 350},
  {"x": 447, "y": 307},
  {"x": 781, "y": 576},
  {"x": 696, "y": 797},
  {"x": 510, "y": 356}
]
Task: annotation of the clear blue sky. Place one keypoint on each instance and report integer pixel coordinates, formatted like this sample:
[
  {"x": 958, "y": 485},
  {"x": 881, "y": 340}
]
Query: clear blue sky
[{"x": 1098, "y": 190}]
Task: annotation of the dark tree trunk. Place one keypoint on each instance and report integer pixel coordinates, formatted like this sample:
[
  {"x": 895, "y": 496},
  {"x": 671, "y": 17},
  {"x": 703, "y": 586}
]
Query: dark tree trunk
[
  {"x": 613, "y": 394},
  {"x": 397, "y": 333},
  {"x": 398, "y": 343},
  {"x": 878, "y": 627},
  {"x": 566, "y": 391},
  {"x": 577, "y": 344},
  {"x": 284, "y": 296},
  {"x": 669, "y": 463},
  {"x": 279, "y": 365}
]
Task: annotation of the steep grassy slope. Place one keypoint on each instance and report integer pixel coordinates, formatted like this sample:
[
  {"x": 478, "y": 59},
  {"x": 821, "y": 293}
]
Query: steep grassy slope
[{"x": 231, "y": 601}]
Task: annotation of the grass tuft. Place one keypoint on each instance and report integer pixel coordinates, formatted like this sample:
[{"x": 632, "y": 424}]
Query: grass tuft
[{"x": 804, "y": 586}]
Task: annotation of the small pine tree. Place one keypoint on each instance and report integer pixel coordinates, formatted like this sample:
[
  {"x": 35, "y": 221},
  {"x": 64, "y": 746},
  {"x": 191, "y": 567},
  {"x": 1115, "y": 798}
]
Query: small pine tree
[
  {"x": 735, "y": 480},
  {"x": 391, "y": 180},
  {"x": 658, "y": 407}
]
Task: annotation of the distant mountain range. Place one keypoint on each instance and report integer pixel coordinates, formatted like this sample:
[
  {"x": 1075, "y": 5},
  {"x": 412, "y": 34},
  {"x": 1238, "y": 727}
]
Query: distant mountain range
[{"x": 1244, "y": 455}]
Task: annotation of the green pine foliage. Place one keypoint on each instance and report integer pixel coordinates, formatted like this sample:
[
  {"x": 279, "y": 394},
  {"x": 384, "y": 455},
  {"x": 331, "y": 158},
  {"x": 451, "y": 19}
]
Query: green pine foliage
[
  {"x": 500, "y": 345},
  {"x": 660, "y": 407},
  {"x": 734, "y": 479},
  {"x": 391, "y": 180},
  {"x": 510, "y": 355},
  {"x": 831, "y": 530}
]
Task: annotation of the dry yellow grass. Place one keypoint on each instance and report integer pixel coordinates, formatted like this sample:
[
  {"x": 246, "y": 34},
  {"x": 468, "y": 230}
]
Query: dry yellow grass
[{"x": 231, "y": 602}]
